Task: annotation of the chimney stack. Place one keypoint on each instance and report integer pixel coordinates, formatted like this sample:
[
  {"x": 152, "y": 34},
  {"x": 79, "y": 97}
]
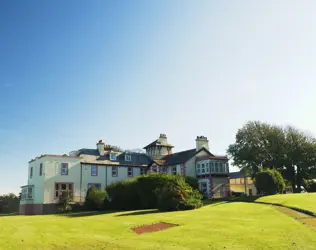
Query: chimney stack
[
  {"x": 201, "y": 141},
  {"x": 100, "y": 147}
]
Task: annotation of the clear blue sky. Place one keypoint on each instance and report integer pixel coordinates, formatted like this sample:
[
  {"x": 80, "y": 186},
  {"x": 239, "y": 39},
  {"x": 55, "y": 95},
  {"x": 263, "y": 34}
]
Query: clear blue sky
[{"x": 74, "y": 71}]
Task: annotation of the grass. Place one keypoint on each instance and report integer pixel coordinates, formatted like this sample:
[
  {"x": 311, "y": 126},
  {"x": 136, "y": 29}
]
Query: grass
[
  {"x": 222, "y": 225},
  {"x": 305, "y": 201}
]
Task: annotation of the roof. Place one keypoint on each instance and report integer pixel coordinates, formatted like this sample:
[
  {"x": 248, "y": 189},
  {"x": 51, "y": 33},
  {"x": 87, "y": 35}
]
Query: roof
[
  {"x": 158, "y": 143},
  {"x": 88, "y": 151},
  {"x": 236, "y": 175},
  {"x": 137, "y": 159},
  {"x": 179, "y": 157},
  {"x": 51, "y": 155},
  {"x": 218, "y": 157}
]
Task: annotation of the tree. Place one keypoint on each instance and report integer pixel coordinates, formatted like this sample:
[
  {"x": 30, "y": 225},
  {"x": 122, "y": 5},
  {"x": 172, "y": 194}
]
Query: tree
[
  {"x": 290, "y": 151},
  {"x": 9, "y": 203},
  {"x": 269, "y": 182},
  {"x": 95, "y": 198}
]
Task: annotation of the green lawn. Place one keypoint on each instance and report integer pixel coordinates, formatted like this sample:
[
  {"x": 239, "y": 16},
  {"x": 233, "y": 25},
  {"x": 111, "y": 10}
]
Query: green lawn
[
  {"x": 230, "y": 225},
  {"x": 305, "y": 201}
]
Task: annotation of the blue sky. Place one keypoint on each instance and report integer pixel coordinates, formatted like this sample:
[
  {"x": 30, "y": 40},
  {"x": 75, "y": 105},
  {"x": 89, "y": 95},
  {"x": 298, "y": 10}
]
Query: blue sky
[{"x": 72, "y": 72}]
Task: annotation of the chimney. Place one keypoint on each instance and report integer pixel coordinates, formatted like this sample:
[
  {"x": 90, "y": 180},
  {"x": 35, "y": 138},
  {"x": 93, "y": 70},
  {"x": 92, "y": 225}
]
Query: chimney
[
  {"x": 100, "y": 147},
  {"x": 201, "y": 141},
  {"x": 163, "y": 138}
]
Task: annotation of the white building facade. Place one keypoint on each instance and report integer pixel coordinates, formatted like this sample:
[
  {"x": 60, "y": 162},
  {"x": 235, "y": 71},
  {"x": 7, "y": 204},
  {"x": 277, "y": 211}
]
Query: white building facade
[{"x": 50, "y": 175}]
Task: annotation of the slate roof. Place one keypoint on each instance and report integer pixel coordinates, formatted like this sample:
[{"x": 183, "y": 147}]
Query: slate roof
[
  {"x": 137, "y": 159},
  {"x": 236, "y": 175},
  {"x": 88, "y": 151},
  {"x": 157, "y": 143},
  {"x": 180, "y": 157}
]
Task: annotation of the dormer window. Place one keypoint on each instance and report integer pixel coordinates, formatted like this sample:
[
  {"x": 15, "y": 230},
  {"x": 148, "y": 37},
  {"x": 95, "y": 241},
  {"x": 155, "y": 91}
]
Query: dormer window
[
  {"x": 112, "y": 156},
  {"x": 128, "y": 157}
]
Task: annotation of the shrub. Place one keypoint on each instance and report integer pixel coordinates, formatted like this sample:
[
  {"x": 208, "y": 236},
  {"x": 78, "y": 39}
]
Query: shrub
[
  {"x": 64, "y": 202},
  {"x": 269, "y": 182},
  {"x": 164, "y": 191},
  {"x": 193, "y": 182},
  {"x": 95, "y": 198}
]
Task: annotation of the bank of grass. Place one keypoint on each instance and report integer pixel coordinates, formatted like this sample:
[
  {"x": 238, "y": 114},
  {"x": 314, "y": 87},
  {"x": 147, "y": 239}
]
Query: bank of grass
[
  {"x": 302, "y": 201},
  {"x": 230, "y": 225}
]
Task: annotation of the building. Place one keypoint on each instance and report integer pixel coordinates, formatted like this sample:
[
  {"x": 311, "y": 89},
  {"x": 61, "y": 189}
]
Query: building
[
  {"x": 49, "y": 175},
  {"x": 239, "y": 183}
]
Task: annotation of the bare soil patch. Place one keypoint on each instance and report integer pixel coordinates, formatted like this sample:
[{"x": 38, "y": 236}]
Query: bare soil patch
[{"x": 149, "y": 228}]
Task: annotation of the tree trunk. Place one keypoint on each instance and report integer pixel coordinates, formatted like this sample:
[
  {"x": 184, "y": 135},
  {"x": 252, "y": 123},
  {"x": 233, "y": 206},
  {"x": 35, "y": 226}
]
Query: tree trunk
[{"x": 299, "y": 179}]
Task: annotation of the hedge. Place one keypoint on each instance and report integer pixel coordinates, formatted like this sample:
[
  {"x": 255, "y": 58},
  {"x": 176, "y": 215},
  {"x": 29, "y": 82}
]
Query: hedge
[{"x": 155, "y": 190}]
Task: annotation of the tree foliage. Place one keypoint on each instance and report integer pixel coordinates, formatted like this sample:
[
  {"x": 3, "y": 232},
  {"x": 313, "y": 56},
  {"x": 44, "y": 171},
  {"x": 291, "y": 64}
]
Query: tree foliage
[
  {"x": 9, "y": 203},
  {"x": 287, "y": 149},
  {"x": 95, "y": 198},
  {"x": 163, "y": 191},
  {"x": 269, "y": 181}
]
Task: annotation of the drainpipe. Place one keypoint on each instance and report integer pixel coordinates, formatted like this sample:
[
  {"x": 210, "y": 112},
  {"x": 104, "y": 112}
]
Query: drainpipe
[{"x": 80, "y": 180}]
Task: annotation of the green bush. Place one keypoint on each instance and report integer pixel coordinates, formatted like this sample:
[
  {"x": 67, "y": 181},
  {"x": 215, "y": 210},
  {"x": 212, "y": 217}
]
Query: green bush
[
  {"x": 95, "y": 198},
  {"x": 164, "y": 191},
  {"x": 193, "y": 182},
  {"x": 64, "y": 202},
  {"x": 269, "y": 181}
]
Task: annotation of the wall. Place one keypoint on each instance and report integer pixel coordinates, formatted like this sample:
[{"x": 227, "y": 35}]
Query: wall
[
  {"x": 237, "y": 185},
  {"x": 52, "y": 170}
]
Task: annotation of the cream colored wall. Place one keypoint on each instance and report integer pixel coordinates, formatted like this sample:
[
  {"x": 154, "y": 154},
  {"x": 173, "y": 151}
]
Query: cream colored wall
[
  {"x": 52, "y": 170},
  {"x": 37, "y": 181},
  {"x": 190, "y": 164}
]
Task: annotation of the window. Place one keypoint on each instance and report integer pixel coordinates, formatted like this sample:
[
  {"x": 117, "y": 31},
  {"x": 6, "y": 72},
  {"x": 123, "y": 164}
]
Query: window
[
  {"x": 204, "y": 187},
  {"x": 27, "y": 193},
  {"x": 154, "y": 168},
  {"x": 142, "y": 171},
  {"x": 41, "y": 169},
  {"x": 96, "y": 185},
  {"x": 216, "y": 167},
  {"x": 128, "y": 157},
  {"x": 227, "y": 168},
  {"x": 31, "y": 172},
  {"x": 130, "y": 172},
  {"x": 212, "y": 167},
  {"x": 114, "y": 171},
  {"x": 64, "y": 169},
  {"x": 174, "y": 170},
  {"x": 198, "y": 168},
  {"x": 207, "y": 168},
  {"x": 112, "y": 156},
  {"x": 94, "y": 170},
  {"x": 60, "y": 187},
  {"x": 203, "y": 168},
  {"x": 221, "y": 167}
]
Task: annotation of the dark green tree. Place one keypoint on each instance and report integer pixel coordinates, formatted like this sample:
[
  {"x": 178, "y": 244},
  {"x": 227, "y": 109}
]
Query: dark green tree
[{"x": 290, "y": 151}]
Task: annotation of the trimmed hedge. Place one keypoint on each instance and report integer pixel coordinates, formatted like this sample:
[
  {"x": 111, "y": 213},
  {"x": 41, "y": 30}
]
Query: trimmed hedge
[{"x": 163, "y": 191}]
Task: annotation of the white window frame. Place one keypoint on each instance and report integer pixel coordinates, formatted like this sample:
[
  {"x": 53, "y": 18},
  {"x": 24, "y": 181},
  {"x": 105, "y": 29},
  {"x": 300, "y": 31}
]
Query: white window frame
[
  {"x": 128, "y": 157},
  {"x": 207, "y": 169},
  {"x": 198, "y": 169},
  {"x": 212, "y": 168},
  {"x": 203, "y": 168},
  {"x": 27, "y": 193},
  {"x": 216, "y": 167},
  {"x": 221, "y": 167},
  {"x": 114, "y": 170},
  {"x": 129, "y": 172},
  {"x": 64, "y": 171},
  {"x": 96, "y": 170},
  {"x": 112, "y": 156},
  {"x": 174, "y": 170}
]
